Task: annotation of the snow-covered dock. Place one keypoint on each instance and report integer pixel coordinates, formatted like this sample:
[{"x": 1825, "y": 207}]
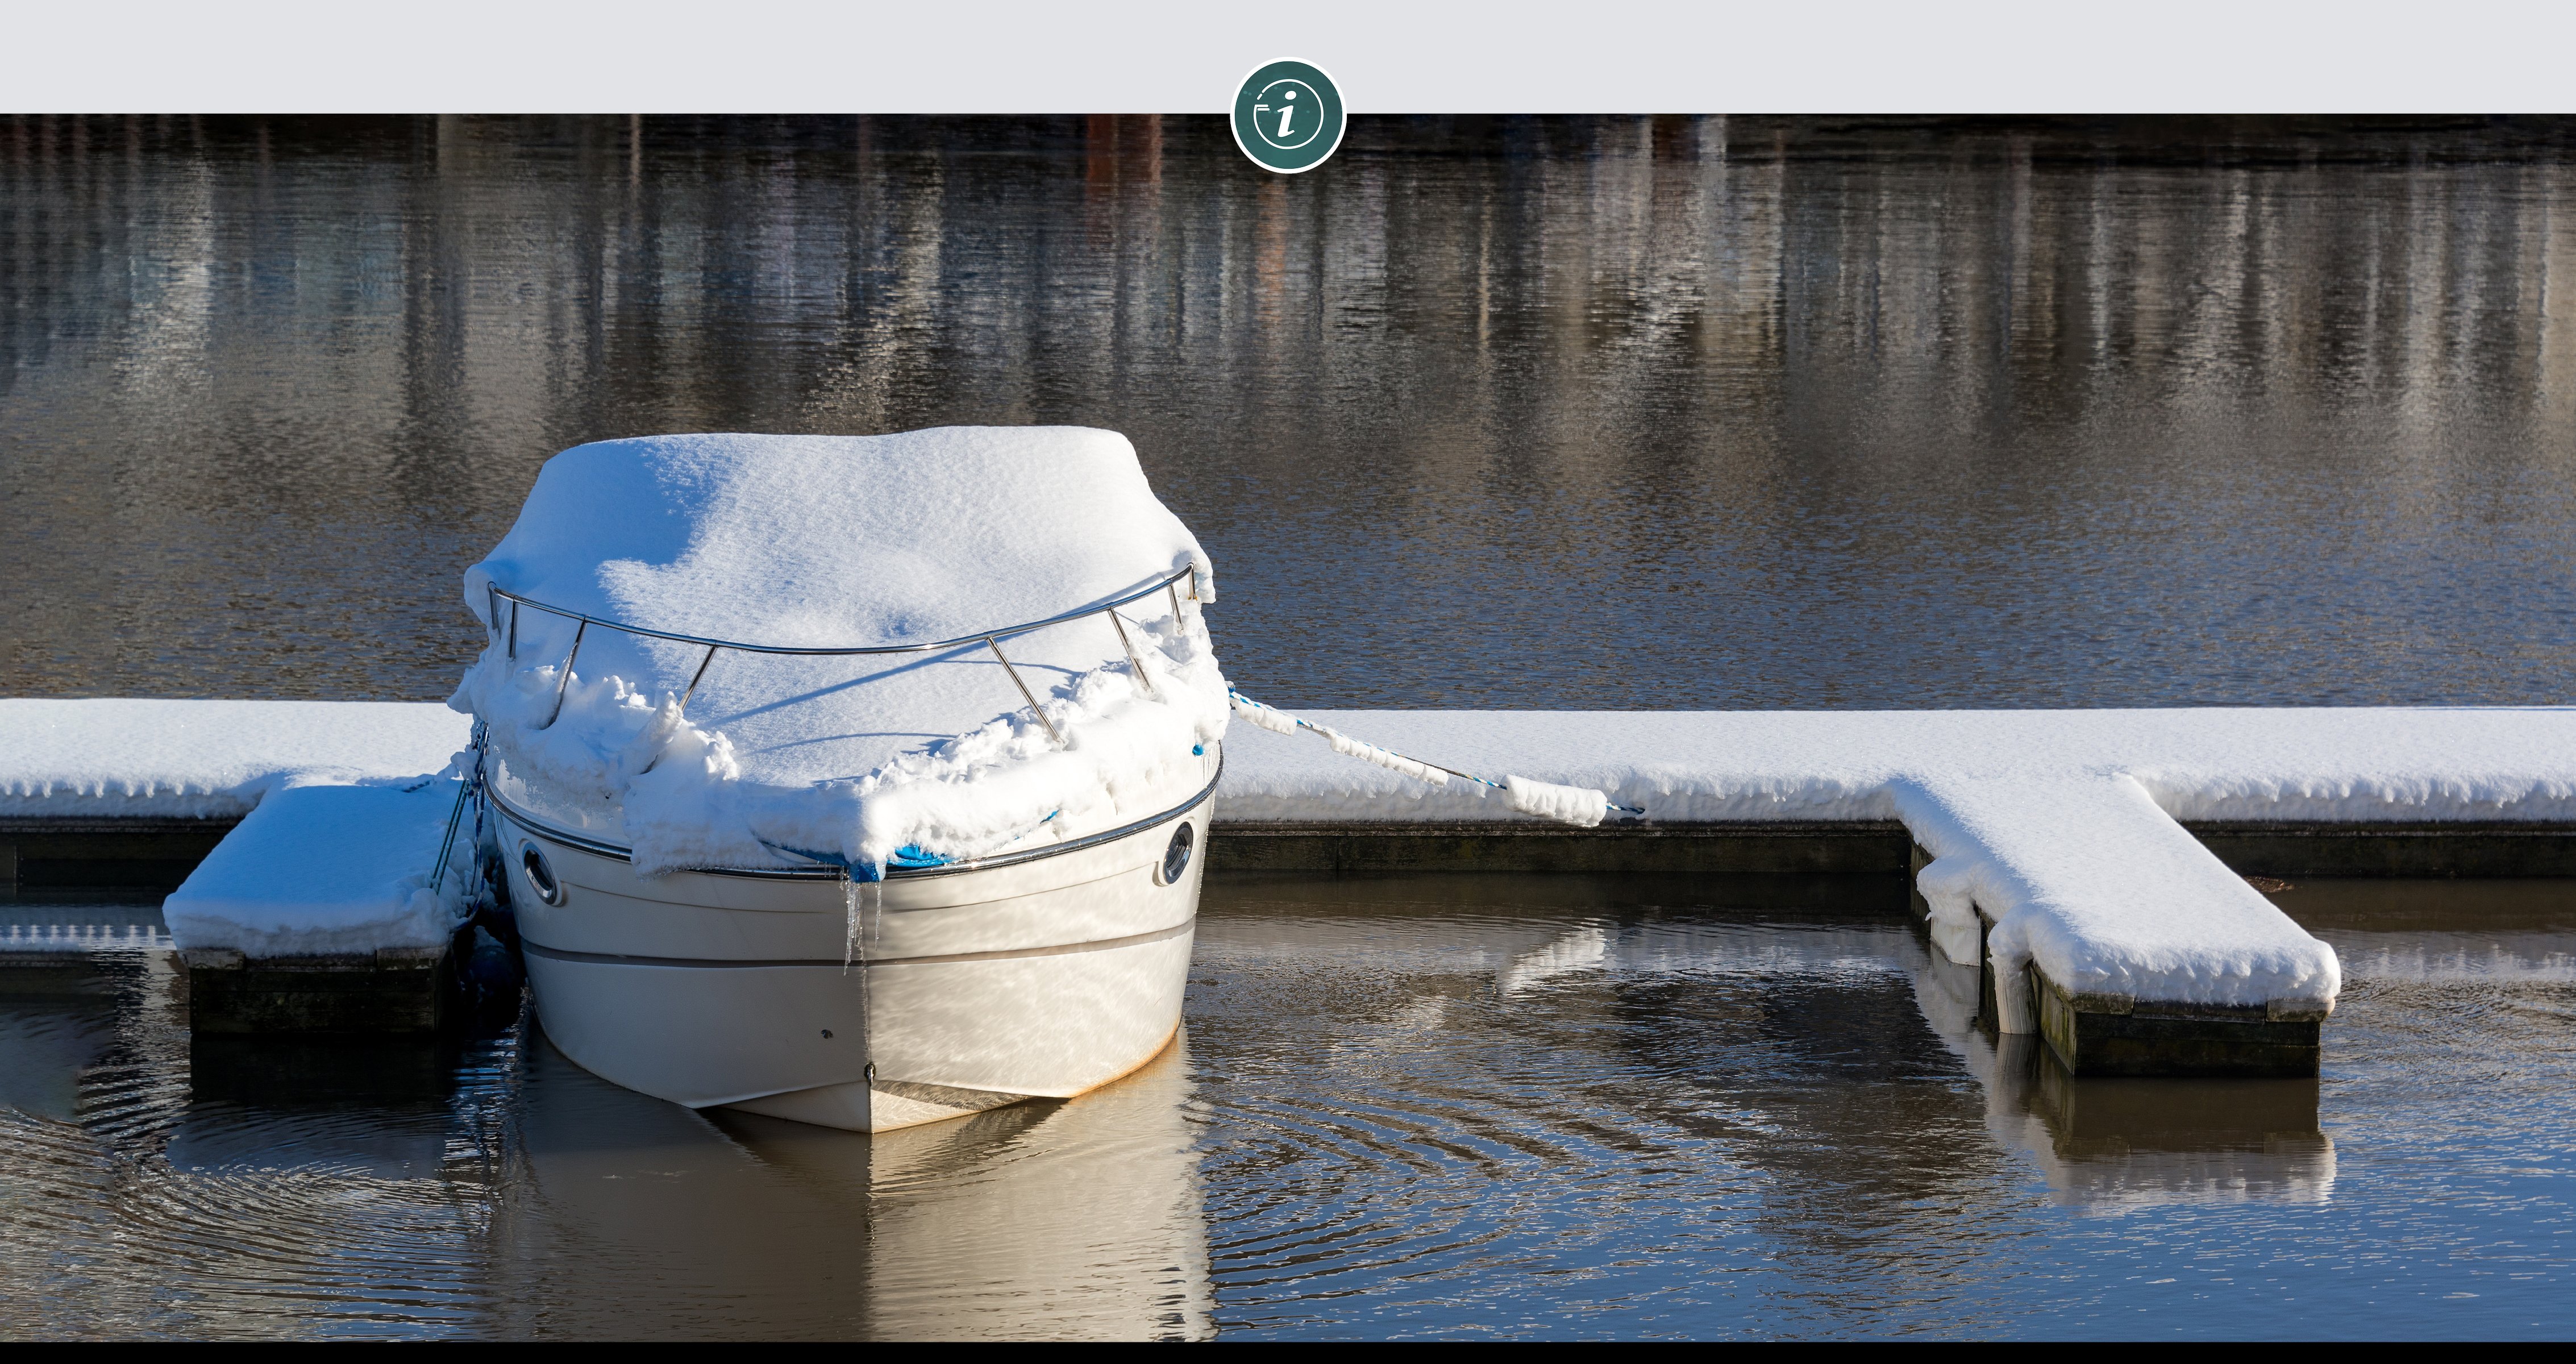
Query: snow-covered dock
[
  {"x": 124, "y": 759},
  {"x": 2047, "y": 844},
  {"x": 2056, "y": 849},
  {"x": 327, "y": 870},
  {"x": 137, "y": 792},
  {"x": 323, "y": 911},
  {"x": 304, "y": 906}
]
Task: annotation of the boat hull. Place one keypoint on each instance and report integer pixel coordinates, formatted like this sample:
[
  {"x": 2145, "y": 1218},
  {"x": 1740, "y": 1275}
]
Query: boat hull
[{"x": 873, "y": 1007}]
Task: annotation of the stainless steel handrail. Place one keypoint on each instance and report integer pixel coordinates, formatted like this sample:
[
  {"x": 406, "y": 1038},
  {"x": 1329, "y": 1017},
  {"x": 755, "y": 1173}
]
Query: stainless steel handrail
[
  {"x": 962, "y": 641},
  {"x": 494, "y": 593}
]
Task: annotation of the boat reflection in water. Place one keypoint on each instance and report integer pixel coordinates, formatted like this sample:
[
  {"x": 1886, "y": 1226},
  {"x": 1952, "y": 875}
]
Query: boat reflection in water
[
  {"x": 623, "y": 1215},
  {"x": 2111, "y": 1143}
]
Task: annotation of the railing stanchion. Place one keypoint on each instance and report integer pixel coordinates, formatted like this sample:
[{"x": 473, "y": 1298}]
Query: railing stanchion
[
  {"x": 698, "y": 676},
  {"x": 564, "y": 679},
  {"x": 1132, "y": 660},
  {"x": 1025, "y": 693}
]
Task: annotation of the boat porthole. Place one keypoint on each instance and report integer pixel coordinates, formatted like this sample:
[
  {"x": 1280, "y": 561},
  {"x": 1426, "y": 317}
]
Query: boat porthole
[
  {"x": 541, "y": 878},
  {"x": 1176, "y": 858}
]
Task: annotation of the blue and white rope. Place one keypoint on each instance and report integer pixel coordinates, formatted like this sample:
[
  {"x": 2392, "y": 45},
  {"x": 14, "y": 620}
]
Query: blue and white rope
[{"x": 1281, "y": 722}]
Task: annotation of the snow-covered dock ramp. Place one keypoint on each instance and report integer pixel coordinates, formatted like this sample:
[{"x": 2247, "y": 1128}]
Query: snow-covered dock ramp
[
  {"x": 324, "y": 911},
  {"x": 2082, "y": 900},
  {"x": 326, "y": 871}
]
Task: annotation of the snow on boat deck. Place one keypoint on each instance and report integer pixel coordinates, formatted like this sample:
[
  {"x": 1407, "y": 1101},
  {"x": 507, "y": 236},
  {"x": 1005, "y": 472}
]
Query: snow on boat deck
[{"x": 2056, "y": 829}]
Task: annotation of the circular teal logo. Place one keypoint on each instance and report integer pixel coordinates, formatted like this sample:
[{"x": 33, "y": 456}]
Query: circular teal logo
[{"x": 1288, "y": 116}]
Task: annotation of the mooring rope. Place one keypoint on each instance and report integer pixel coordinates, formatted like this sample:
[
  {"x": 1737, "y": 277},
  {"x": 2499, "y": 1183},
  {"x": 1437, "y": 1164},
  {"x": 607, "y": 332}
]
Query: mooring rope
[{"x": 1571, "y": 804}]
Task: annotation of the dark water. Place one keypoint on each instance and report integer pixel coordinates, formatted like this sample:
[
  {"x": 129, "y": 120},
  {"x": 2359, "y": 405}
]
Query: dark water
[
  {"x": 1570, "y": 413},
  {"x": 1462, "y": 1107}
]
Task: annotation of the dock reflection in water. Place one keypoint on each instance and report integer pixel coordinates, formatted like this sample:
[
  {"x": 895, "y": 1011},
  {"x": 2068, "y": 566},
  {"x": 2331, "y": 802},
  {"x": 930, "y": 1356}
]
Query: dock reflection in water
[
  {"x": 1555, "y": 1106},
  {"x": 1436, "y": 1105},
  {"x": 2106, "y": 1143}
]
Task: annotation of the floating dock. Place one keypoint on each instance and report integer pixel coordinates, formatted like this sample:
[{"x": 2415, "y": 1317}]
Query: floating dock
[
  {"x": 324, "y": 911},
  {"x": 2056, "y": 851},
  {"x": 2088, "y": 864}
]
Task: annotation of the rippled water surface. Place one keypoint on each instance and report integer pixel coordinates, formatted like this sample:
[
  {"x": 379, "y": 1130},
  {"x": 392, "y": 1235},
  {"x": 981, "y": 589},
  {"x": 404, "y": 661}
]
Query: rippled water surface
[
  {"x": 1668, "y": 413},
  {"x": 1469, "y": 1106}
]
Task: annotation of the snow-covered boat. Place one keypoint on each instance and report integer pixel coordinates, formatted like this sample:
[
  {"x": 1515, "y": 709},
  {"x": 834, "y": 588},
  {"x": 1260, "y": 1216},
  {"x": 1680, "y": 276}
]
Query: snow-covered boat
[{"x": 856, "y": 780}]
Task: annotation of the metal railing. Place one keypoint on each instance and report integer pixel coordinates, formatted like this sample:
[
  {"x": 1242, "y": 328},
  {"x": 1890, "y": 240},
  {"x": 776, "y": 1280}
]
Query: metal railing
[{"x": 508, "y": 636}]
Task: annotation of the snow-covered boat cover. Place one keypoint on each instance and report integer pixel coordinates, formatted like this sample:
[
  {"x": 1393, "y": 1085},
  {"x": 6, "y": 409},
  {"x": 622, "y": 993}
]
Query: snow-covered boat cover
[{"x": 834, "y": 542}]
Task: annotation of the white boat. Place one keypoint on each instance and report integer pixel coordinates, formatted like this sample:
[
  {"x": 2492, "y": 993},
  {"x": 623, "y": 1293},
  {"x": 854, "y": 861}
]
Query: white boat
[{"x": 859, "y": 781}]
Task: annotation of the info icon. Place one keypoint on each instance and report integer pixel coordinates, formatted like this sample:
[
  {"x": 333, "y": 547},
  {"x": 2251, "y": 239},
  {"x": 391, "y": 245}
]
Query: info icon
[{"x": 1288, "y": 116}]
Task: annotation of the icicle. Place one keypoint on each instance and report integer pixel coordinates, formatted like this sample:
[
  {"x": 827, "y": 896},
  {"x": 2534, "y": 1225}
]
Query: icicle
[
  {"x": 1349, "y": 747},
  {"x": 850, "y": 921},
  {"x": 871, "y": 910},
  {"x": 1570, "y": 804}
]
